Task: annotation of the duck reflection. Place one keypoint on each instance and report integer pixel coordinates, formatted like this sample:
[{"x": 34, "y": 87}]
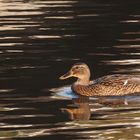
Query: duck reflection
[{"x": 79, "y": 109}]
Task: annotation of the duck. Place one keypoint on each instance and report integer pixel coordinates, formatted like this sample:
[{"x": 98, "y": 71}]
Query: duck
[{"x": 109, "y": 85}]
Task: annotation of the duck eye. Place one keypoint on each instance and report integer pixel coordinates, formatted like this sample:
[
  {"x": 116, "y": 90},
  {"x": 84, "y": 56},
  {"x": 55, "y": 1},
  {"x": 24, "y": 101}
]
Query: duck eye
[{"x": 76, "y": 68}]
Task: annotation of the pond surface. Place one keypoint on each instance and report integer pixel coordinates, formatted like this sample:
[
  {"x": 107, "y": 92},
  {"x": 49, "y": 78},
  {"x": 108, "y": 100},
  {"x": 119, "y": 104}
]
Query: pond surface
[{"x": 39, "y": 41}]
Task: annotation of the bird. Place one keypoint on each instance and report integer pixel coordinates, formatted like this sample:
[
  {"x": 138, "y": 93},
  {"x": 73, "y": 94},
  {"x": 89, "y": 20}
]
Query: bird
[{"x": 108, "y": 85}]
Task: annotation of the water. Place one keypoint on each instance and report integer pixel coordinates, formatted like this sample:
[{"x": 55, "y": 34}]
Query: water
[{"x": 39, "y": 41}]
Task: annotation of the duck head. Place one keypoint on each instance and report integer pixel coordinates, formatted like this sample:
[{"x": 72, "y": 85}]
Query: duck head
[{"x": 80, "y": 71}]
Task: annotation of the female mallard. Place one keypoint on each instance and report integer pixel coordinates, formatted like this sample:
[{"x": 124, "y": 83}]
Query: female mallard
[{"x": 110, "y": 85}]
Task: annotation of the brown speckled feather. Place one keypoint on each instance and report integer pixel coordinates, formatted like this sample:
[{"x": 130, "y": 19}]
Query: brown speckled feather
[{"x": 110, "y": 85}]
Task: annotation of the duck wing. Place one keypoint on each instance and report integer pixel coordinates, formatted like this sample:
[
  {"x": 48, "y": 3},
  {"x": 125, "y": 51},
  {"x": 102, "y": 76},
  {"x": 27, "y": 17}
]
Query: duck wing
[
  {"x": 110, "y": 85},
  {"x": 118, "y": 79}
]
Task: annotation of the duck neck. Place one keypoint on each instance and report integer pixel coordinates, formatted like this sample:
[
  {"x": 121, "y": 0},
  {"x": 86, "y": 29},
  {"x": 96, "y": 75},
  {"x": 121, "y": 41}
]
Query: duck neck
[{"x": 83, "y": 81}]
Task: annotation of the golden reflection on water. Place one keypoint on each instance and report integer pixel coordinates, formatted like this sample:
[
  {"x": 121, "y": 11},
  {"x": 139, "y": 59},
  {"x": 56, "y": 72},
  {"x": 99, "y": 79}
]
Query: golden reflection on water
[
  {"x": 123, "y": 62},
  {"x": 95, "y": 118}
]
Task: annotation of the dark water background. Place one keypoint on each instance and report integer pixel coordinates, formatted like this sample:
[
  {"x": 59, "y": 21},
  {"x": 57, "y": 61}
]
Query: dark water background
[{"x": 40, "y": 40}]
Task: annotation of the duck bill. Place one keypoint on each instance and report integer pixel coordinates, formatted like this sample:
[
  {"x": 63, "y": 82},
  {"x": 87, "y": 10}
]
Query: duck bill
[{"x": 65, "y": 76}]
